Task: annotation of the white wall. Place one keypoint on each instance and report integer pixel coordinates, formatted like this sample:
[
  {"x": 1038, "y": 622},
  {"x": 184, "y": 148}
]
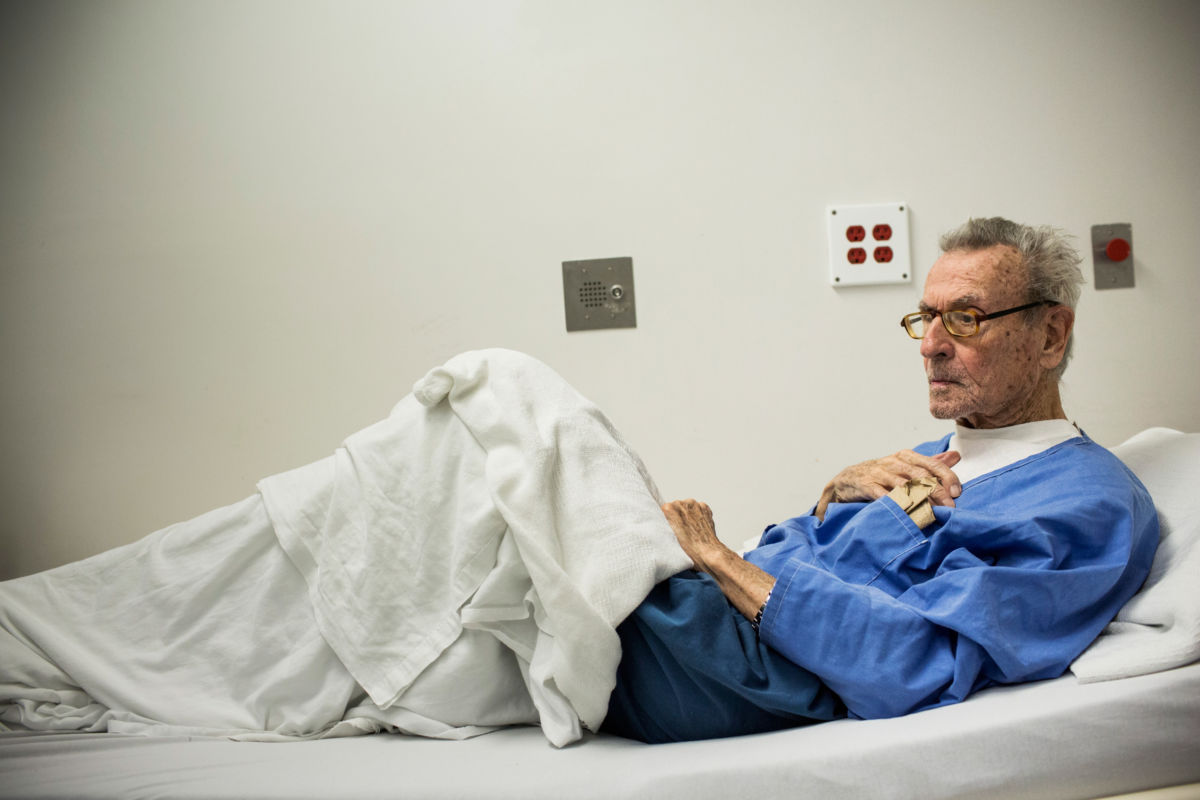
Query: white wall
[{"x": 233, "y": 233}]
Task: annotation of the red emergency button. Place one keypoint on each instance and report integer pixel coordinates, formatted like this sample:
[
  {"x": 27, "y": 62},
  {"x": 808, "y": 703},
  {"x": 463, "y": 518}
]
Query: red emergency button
[{"x": 1117, "y": 249}]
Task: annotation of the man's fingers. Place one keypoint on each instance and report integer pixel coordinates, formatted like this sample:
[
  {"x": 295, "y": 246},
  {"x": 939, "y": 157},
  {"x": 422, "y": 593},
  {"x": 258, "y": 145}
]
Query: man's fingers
[
  {"x": 871, "y": 480},
  {"x": 946, "y": 476},
  {"x": 687, "y": 507},
  {"x": 937, "y": 466},
  {"x": 949, "y": 458},
  {"x": 941, "y": 496},
  {"x": 685, "y": 514},
  {"x": 692, "y": 522}
]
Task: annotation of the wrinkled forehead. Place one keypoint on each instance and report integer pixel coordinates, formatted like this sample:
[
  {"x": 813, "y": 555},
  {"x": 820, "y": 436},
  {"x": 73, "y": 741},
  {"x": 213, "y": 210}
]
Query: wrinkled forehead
[{"x": 987, "y": 279}]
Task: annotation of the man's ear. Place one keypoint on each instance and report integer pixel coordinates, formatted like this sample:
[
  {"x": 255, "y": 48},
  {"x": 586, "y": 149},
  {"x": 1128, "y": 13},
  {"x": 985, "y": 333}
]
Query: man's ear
[{"x": 1058, "y": 322}]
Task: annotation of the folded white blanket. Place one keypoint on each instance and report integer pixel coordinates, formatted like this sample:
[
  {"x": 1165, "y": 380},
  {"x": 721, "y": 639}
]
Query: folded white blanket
[{"x": 494, "y": 498}]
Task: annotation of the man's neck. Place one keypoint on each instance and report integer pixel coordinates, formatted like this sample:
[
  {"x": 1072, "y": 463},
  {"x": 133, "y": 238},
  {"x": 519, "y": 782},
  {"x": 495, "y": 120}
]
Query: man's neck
[{"x": 1043, "y": 404}]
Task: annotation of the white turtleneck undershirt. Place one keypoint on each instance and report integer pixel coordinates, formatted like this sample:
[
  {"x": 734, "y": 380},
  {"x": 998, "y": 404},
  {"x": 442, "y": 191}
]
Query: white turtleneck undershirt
[{"x": 986, "y": 450}]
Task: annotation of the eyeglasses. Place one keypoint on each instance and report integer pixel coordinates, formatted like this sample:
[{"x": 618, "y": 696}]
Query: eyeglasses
[{"x": 959, "y": 321}]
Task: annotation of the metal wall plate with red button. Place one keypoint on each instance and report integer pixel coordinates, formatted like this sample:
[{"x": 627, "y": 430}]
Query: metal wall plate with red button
[{"x": 1112, "y": 255}]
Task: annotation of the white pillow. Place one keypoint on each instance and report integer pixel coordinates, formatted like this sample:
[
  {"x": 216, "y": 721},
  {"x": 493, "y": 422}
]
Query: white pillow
[{"x": 1159, "y": 628}]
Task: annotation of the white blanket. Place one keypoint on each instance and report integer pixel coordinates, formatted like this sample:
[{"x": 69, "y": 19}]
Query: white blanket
[
  {"x": 199, "y": 629},
  {"x": 467, "y": 561},
  {"x": 495, "y": 498}
]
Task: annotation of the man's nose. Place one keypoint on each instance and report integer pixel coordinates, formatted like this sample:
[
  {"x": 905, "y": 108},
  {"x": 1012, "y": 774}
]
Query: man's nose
[{"x": 936, "y": 342}]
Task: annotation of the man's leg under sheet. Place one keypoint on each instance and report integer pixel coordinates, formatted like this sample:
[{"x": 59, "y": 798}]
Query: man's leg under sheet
[{"x": 203, "y": 627}]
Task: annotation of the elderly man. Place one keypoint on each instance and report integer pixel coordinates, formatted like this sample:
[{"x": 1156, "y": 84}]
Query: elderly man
[
  {"x": 472, "y": 560},
  {"x": 994, "y": 555}
]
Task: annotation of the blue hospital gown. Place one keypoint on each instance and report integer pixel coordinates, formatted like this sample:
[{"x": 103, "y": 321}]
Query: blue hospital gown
[{"x": 871, "y": 612}]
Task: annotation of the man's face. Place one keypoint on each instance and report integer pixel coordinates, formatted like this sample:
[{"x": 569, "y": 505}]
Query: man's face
[{"x": 996, "y": 377}]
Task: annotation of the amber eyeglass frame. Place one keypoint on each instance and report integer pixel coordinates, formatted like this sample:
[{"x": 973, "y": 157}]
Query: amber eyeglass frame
[{"x": 961, "y": 322}]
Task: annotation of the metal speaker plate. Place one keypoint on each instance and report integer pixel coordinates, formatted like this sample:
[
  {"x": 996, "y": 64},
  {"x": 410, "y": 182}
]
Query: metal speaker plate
[{"x": 598, "y": 293}]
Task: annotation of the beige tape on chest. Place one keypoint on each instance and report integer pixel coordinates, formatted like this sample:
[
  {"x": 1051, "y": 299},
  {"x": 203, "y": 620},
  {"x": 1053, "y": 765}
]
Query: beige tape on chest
[{"x": 913, "y": 498}]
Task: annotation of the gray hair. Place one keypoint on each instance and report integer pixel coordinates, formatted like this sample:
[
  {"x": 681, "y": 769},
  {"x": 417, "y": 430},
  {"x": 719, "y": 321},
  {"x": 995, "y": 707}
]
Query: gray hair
[{"x": 1051, "y": 263}]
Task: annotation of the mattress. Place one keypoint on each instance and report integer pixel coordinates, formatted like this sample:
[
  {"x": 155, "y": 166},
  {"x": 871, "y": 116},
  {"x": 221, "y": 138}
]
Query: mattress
[{"x": 1053, "y": 739}]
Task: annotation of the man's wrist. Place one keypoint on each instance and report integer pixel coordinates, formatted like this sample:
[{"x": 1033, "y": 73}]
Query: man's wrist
[
  {"x": 713, "y": 558},
  {"x": 757, "y": 621},
  {"x": 746, "y": 586}
]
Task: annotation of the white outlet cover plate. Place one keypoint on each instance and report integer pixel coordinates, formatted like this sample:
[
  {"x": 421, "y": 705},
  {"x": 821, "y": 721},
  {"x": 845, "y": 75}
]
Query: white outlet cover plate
[{"x": 843, "y": 271}]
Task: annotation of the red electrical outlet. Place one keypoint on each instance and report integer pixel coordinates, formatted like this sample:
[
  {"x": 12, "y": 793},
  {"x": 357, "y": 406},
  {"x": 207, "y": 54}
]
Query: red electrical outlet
[{"x": 879, "y": 251}]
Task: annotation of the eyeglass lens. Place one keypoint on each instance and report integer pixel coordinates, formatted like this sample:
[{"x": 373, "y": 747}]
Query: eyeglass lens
[{"x": 960, "y": 323}]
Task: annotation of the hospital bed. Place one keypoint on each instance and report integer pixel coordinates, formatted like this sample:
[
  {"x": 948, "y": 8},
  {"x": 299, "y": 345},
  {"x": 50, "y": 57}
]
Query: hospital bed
[{"x": 1125, "y": 720}]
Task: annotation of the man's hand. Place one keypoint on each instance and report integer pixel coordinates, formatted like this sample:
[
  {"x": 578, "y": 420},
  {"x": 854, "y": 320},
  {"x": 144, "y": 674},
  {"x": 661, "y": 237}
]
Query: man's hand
[
  {"x": 692, "y": 522},
  {"x": 873, "y": 479},
  {"x": 745, "y": 585}
]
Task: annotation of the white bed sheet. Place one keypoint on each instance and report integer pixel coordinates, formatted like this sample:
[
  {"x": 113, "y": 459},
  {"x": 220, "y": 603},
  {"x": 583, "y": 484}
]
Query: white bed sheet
[{"x": 1056, "y": 739}]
